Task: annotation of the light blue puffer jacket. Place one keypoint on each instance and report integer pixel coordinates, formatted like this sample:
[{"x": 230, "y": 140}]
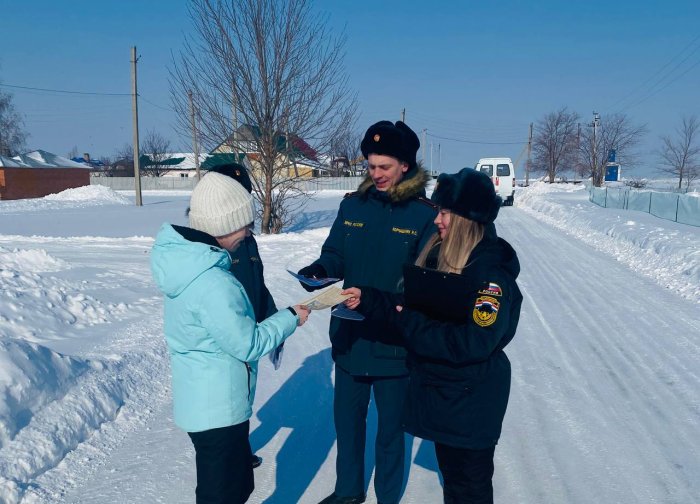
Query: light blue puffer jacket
[{"x": 213, "y": 339}]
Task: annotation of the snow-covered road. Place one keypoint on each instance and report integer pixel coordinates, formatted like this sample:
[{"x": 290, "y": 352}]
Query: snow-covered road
[{"x": 604, "y": 403}]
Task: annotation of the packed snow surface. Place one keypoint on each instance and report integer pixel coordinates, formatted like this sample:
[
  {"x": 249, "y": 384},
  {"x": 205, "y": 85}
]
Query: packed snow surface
[{"x": 604, "y": 403}]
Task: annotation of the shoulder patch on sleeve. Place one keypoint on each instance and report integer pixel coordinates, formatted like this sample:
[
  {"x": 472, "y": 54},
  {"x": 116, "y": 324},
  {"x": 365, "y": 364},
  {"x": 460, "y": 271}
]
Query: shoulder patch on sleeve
[
  {"x": 485, "y": 310},
  {"x": 493, "y": 289}
]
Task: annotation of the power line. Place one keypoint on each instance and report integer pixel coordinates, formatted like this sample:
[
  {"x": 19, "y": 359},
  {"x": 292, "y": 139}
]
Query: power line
[
  {"x": 476, "y": 141},
  {"x": 645, "y": 98},
  {"x": 64, "y": 91},
  {"x": 461, "y": 125},
  {"x": 660, "y": 80},
  {"x": 168, "y": 109}
]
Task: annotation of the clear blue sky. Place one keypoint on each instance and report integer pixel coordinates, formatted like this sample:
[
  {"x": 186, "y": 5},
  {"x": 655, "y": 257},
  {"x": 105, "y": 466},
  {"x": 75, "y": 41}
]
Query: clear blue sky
[{"x": 477, "y": 72}]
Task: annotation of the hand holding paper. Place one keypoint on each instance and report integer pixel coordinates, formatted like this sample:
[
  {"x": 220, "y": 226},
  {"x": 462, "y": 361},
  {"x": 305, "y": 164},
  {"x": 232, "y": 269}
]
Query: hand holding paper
[
  {"x": 354, "y": 294},
  {"x": 325, "y": 299}
]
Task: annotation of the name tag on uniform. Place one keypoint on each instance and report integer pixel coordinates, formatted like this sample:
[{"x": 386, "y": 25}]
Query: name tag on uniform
[{"x": 404, "y": 231}]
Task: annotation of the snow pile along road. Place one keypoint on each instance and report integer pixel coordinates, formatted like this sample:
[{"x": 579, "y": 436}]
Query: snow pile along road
[
  {"x": 78, "y": 366},
  {"x": 663, "y": 250}
]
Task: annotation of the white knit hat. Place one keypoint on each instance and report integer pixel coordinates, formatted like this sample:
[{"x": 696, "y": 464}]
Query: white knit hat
[{"x": 219, "y": 205}]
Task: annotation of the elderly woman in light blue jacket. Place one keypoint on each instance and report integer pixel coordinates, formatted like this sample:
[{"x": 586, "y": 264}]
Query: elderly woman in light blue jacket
[{"x": 213, "y": 339}]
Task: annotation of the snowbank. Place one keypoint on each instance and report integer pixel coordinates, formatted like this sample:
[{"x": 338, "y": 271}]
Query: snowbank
[
  {"x": 79, "y": 197},
  {"x": 36, "y": 305},
  {"x": 665, "y": 251},
  {"x": 51, "y": 403}
]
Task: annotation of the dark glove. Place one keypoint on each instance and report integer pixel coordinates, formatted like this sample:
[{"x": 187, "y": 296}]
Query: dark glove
[
  {"x": 312, "y": 271},
  {"x": 276, "y": 356}
]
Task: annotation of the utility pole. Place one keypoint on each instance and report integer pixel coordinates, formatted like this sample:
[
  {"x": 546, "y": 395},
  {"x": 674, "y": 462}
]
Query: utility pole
[
  {"x": 403, "y": 115},
  {"x": 195, "y": 143},
  {"x": 439, "y": 159},
  {"x": 597, "y": 179},
  {"x": 578, "y": 153},
  {"x": 431, "y": 158},
  {"x": 529, "y": 152},
  {"x": 135, "y": 110},
  {"x": 425, "y": 130}
]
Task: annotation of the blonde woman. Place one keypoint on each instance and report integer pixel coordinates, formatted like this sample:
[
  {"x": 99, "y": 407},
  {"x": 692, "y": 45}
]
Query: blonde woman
[{"x": 455, "y": 322}]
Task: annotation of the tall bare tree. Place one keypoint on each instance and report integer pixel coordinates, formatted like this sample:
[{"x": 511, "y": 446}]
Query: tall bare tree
[
  {"x": 680, "y": 155},
  {"x": 615, "y": 131},
  {"x": 156, "y": 148},
  {"x": 272, "y": 65},
  {"x": 12, "y": 134},
  {"x": 554, "y": 142}
]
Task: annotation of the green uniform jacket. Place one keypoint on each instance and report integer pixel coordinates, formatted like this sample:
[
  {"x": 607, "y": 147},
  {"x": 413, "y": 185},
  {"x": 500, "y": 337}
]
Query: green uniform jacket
[{"x": 373, "y": 235}]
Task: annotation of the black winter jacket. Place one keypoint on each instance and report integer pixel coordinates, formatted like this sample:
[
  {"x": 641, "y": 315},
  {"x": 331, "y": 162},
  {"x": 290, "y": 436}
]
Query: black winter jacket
[
  {"x": 248, "y": 269},
  {"x": 373, "y": 235},
  {"x": 459, "y": 374}
]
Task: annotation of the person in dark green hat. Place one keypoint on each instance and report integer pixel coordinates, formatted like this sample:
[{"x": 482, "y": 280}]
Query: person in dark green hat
[
  {"x": 382, "y": 225},
  {"x": 459, "y": 373}
]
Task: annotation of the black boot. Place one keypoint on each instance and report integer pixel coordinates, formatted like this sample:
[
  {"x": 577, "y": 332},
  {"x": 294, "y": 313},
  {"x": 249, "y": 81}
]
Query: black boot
[
  {"x": 336, "y": 499},
  {"x": 256, "y": 461}
]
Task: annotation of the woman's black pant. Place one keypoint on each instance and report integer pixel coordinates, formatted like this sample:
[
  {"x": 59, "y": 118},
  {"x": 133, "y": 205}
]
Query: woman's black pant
[
  {"x": 466, "y": 474},
  {"x": 224, "y": 471}
]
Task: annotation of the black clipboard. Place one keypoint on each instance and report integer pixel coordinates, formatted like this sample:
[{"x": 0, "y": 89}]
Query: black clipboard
[{"x": 442, "y": 296}]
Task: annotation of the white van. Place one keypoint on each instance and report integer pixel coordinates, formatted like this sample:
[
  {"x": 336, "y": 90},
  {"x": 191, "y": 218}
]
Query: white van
[{"x": 502, "y": 175}]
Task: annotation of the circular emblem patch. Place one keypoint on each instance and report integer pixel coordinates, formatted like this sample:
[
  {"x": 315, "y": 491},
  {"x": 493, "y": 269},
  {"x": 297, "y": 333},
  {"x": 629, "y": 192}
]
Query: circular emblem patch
[
  {"x": 377, "y": 137},
  {"x": 485, "y": 310}
]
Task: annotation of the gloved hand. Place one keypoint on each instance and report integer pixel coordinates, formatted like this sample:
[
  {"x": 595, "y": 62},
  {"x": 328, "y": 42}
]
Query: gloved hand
[{"x": 312, "y": 271}]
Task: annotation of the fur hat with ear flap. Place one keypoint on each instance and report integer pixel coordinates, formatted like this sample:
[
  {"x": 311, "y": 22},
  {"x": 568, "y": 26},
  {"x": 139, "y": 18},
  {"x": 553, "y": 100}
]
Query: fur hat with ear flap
[
  {"x": 468, "y": 193},
  {"x": 219, "y": 205},
  {"x": 395, "y": 140}
]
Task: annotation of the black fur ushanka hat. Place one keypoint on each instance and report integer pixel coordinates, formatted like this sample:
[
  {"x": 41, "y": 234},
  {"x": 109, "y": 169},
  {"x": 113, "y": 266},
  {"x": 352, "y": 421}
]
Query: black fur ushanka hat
[
  {"x": 396, "y": 140},
  {"x": 468, "y": 193}
]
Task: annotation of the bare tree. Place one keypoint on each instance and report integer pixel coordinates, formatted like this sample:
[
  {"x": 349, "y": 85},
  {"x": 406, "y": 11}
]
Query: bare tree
[
  {"x": 12, "y": 134},
  {"x": 156, "y": 150},
  {"x": 274, "y": 66},
  {"x": 554, "y": 142},
  {"x": 680, "y": 155},
  {"x": 73, "y": 153},
  {"x": 344, "y": 154},
  {"x": 636, "y": 183},
  {"x": 104, "y": 167},
  {"x": 614, "y": 132},
  {"x": 125, "y": 152},
  {"x": 123, "y": 164}
]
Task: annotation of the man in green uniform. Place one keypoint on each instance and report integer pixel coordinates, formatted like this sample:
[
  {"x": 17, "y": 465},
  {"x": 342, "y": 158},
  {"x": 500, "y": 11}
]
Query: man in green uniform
[{"x": 381, "y": 226}]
